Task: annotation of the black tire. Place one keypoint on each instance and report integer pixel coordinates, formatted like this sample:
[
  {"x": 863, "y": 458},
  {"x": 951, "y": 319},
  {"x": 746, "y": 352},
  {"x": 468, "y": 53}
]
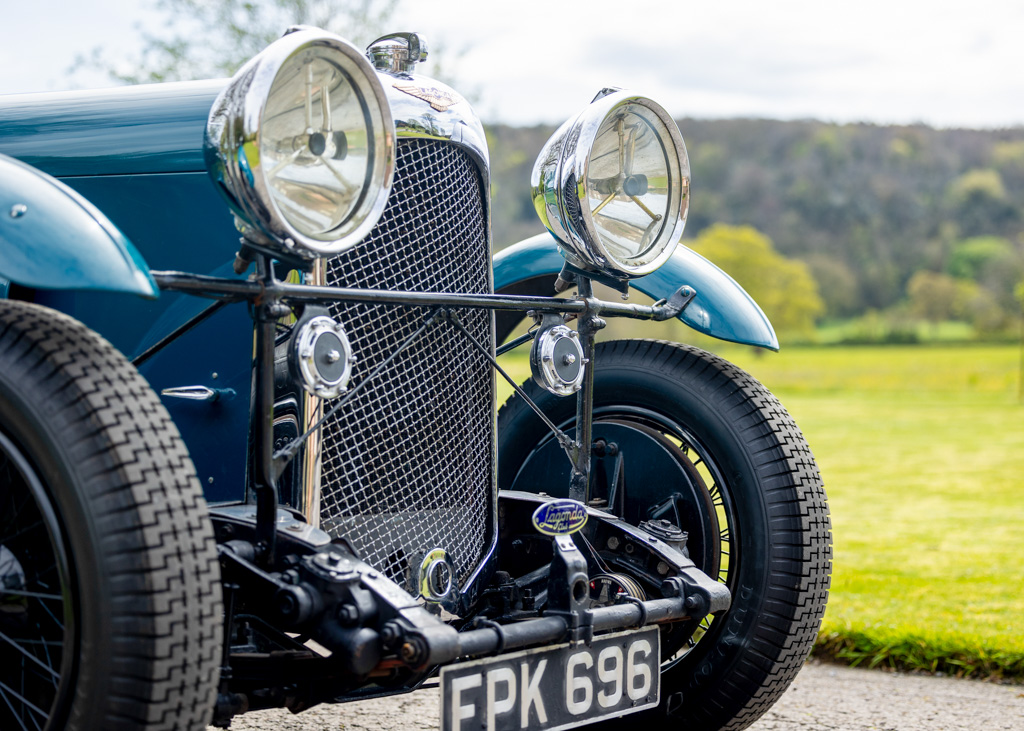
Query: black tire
[
  {"x": 768, "y": 492},
  {"x": 110, "y": 600}
]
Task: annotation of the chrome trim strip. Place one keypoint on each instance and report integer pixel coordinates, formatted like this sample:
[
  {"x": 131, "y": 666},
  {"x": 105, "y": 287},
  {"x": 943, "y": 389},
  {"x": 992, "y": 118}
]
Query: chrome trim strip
[
  {"x": 312, "y": 411},
  {"x": 198, "y": 393}
]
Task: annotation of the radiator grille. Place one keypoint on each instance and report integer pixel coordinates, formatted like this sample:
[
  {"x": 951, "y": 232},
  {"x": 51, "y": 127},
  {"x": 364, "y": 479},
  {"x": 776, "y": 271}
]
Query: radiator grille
[{"x": 408, "y": 464}]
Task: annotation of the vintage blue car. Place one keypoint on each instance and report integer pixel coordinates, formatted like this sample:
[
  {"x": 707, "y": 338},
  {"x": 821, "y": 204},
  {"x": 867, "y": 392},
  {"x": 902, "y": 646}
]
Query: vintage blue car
[{"x": 250, "y": 448}]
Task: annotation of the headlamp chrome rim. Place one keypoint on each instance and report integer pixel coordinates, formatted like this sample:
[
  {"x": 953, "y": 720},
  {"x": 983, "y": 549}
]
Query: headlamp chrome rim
[
  {"x": 561, "y": 199},
  {"x": 233, "y": 146}
]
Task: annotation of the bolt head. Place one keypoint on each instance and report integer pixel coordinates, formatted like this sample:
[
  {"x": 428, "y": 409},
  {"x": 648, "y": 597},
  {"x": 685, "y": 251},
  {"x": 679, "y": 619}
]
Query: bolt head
[
  {"x": 672, "y": 587},
  {"x": 389, "y": 633},
  {"x": 347, "y": 614}
]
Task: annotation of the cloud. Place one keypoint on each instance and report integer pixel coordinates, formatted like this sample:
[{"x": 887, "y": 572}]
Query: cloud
[{"x": 766, "y": 69}]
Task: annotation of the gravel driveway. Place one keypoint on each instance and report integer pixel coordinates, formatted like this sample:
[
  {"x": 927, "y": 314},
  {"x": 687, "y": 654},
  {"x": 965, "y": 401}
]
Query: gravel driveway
[{"x": 822, "y": 697}]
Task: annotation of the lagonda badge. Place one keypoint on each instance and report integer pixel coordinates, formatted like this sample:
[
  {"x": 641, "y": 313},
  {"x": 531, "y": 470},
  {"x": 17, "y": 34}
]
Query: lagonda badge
[
  {"x": 560, "y": 517},
  {"x": 439, "y": 99}
]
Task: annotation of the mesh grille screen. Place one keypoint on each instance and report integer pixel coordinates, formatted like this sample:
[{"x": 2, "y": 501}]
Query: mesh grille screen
[{"x": 408, "y": 464}]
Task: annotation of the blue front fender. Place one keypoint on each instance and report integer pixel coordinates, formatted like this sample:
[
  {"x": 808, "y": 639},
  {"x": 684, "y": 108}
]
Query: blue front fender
[
  {"x": 53, "y": 238},
  {"x": 721, "y": 307}
]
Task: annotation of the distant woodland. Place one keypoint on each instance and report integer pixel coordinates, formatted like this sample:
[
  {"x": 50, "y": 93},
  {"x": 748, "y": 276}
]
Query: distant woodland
[{"x": 907, "y": 220}]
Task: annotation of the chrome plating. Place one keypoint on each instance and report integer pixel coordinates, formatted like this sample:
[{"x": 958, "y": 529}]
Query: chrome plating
[
  {"x": 397, "y": 53},
  {"x": 198, "y": 393},
  {"x": 551, "y": 361},
  {"x": 313, "y": 379},
  {"x": 437, "y": 576},
  {"x": 558, "y": 187},
  {"x": 233, "y": 131},
  {"x": 312, "y": 410},
  {"x": 416, "y": 117}
]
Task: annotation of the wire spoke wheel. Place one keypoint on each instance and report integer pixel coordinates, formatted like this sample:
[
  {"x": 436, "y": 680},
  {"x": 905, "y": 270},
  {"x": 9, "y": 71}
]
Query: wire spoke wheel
[
  {"x": 705, "y": 512},
  {"x": 685, "y": 438},
  {"x": 698, "y": 503},
  {"x": 36, "y": 611}
]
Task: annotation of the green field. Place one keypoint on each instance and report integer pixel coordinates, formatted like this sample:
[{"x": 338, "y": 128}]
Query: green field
[{"x": 922, "y": 453}]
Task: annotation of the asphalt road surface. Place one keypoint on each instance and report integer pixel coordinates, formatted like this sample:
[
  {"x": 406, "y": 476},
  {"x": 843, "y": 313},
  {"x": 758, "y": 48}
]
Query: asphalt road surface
[{"x": 822, "y": 697}]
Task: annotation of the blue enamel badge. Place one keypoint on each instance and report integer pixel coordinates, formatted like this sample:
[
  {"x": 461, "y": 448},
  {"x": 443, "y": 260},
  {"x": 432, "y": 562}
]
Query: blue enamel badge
[{"x": 560, "y": 517}]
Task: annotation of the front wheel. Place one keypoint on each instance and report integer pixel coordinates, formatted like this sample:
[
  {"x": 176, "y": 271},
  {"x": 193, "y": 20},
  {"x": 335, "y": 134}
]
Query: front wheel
[
  {"x": 701, "y": 444},
  {"x": 110, "y": 602}
]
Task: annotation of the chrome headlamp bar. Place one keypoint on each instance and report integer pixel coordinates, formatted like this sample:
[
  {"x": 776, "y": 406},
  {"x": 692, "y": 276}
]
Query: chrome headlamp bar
[
  {"x": 301, "y": 144},
  {"x": 613, "y": 186}
]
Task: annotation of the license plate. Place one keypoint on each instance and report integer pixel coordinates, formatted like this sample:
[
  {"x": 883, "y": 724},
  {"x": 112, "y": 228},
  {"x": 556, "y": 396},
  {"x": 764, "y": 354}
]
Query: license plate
[{"x": 554, "y": 687}]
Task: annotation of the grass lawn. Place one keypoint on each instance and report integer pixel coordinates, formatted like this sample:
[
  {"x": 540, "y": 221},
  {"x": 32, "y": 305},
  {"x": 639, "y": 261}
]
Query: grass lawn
[{"x": 922, "y": 452}]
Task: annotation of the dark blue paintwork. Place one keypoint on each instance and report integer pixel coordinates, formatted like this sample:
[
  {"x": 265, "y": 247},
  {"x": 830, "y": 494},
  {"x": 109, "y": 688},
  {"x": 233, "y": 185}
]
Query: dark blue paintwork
[
  {"x": 126, "y": 130},
  {"x": 179, "y": 222},
  {"x": 52, "y": 237},
  {"x": 721, "y": 308},
  {"x": 136, "y": 154}
]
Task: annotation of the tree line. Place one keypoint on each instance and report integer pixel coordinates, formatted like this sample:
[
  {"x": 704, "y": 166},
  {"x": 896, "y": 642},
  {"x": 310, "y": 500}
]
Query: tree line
[{"x": 909, "y": 217}]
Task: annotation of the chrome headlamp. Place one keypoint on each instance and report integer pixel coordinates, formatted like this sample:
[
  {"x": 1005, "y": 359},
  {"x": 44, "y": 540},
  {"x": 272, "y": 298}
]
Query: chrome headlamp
[
  {"x": 613, "y": 186},
  {"x": 301, "y": 143}
]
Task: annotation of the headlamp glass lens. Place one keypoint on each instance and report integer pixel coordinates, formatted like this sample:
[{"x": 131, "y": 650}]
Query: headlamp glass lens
[
  {"x": 316, "y": 144},
  {"x": 629, "y": 182}
]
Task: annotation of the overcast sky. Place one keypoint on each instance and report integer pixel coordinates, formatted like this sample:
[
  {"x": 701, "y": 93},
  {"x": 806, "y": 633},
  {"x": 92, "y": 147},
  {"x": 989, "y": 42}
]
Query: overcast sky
[{"x": 894, "y": 61}]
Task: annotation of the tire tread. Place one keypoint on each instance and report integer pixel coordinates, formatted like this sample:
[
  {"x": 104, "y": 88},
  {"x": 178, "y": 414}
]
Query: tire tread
[
  {"x": 157, "y": 545},
  {"x": 801, "y": 551}
]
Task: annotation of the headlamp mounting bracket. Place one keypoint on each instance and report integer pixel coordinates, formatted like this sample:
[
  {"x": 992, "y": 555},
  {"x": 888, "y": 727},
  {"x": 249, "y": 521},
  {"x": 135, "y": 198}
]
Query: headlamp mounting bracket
[
  {"x": 571, "y": 273},
  {"x": 249, "y": 249}
]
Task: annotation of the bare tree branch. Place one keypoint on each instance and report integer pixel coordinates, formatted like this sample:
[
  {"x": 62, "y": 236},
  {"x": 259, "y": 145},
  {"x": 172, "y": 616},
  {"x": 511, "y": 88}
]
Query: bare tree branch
[{"x": 203, "y": 39}]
